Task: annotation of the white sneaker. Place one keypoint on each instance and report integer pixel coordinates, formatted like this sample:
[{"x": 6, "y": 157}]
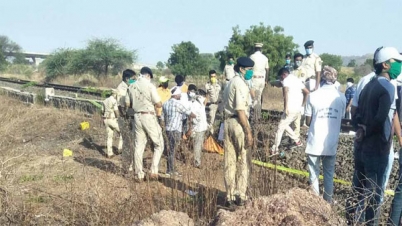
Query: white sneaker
[{"x": 396, "y": 155}]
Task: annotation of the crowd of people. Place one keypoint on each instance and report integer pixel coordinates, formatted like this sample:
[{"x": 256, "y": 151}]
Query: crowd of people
[{"x": 137, "y": 110}]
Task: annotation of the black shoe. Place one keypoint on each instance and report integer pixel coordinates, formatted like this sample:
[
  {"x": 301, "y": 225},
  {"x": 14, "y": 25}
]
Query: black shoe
[
  {"x": 230, "y": 204},
  {"x": 240, "y": 202}
]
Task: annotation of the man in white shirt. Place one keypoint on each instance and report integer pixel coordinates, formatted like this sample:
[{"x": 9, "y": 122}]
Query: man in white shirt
[
  {"x": 324, "y": 112},
  {"x": 295, "y": 96},
  {"x": 198, "y": 126},
  {"x": 260, "y": 76}
]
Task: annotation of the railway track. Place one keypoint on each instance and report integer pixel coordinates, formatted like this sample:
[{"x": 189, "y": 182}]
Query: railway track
[
  {"x": 75, "y": 89},
  {"x": 268, "y": 115}
]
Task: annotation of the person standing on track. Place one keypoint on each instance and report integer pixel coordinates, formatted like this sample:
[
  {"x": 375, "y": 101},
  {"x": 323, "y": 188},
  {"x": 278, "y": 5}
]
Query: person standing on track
[
  {"x": 110, "y": 115},
  {"x": 260, "y": 77},
  {"x": 238, "y": 135},
  {"x": 126, "y": 120},
  {"x": 213, "y": 93},
  {"x": 324, "y": 112},
  {"x": 143, "y": 99},
  {"x": 295, "y": 96},
  {"x": 312, "y": 64}
]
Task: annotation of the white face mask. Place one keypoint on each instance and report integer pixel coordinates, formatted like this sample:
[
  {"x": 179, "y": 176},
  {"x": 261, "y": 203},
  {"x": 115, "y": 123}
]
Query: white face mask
[
  {"x": 191, "y": 94},
  {"x": 309, "y": 51},
  {"x": 349, "y": 84},
  {"x": 201, "y": 99},
  {"x": 298, "y": 63}
]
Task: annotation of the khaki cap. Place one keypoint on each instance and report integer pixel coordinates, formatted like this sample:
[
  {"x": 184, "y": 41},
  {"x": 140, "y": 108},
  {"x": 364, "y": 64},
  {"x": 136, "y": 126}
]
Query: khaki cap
[{"x": 258, "y": 45}]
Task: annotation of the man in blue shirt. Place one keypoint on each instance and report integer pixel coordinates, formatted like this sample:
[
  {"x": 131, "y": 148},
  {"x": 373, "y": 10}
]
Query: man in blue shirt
[
  {"x": 374, "y": 129},
  {"x": 349, "y": 94}
]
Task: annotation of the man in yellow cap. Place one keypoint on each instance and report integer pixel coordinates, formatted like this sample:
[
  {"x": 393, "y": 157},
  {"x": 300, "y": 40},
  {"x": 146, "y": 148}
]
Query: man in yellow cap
[
  {"x": 110, "y": 114},
  {"x": 260, "y": 76},
  {"x": 163, "y": 92}
]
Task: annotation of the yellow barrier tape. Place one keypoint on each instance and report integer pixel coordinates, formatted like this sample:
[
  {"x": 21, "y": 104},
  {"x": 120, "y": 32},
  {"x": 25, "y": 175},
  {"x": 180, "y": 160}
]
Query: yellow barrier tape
[{"x": 304, "y": 173}]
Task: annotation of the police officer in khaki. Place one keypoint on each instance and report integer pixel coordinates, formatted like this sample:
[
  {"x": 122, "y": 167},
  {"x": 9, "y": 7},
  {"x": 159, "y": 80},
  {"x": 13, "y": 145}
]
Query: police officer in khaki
[
  {"x": 260, "y": 77},
  {"x": 298, "y": 69},
  {"x": 312, "y": 64},
  {"x": 213, "y": 92},
  {"x": 110, "y": 114},
  {"x": 238, "y": 136},
  {"x": 126, "y": 119},
  {"x": 143, "y": 98},
  {"x": 228, "y": 71}
]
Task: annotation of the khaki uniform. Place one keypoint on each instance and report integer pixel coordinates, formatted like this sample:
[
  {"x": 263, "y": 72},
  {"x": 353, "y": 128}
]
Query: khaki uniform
[
  {"x": 143, "y": 96},
  {"x": 126, "y": 127},
  {"x": 236, "y": 97},
  {"x": 121, "y": 93},
  {"x": 312, "y": 64},
  {"x": 260, "y": 66},
  {"x": 228, "y": 72},
  {"x": 300, "y": 73},
  {"x": 110, "y": 120},
  {"x": 213, "y": 91}
]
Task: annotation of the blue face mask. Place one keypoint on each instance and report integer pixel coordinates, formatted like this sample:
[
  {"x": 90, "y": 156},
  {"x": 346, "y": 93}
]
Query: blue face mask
[
  {"x": 287, "y": 61},
  {"x": 131, "y": 81},
  {"x": 248, "y": 75},
  {"x": 309, "y": 51}
]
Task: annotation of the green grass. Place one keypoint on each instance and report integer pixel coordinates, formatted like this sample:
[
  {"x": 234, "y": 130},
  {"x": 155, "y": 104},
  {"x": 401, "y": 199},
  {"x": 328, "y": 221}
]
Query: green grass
[
  {"x": 63, "y": 178},
  {"x": 29, "y": 84},
  {"x": 38, "y": 199},
  {"x": 30, "y": 178}
]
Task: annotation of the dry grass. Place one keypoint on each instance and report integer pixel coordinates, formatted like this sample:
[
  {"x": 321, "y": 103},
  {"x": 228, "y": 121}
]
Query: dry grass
[{"x": 39, "y": 186}]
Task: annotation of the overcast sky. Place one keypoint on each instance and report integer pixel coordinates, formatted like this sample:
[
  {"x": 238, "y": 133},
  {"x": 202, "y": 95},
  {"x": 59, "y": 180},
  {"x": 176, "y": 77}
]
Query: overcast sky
[{"x": 343, "y": 27}]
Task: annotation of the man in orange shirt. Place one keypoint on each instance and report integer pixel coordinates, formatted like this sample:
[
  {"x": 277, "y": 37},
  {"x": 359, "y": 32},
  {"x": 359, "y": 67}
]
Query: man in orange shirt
[{"x": 163, "y": 92}]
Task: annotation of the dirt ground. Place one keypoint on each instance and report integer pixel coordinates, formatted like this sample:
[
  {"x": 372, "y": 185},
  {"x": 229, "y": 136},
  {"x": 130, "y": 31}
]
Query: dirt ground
[{"x": 40, "y": 186}]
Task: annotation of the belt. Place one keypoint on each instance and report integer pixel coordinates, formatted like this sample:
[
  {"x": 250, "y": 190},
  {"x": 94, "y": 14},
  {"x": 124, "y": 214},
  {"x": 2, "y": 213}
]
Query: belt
[
  {"x": 145, "y": 112},
  {"x": 258, "y": 76},
  {"x": 228, "y": 80},
  {"x": 234, "y": 116},
  {"x": 212, "y": 103},
  {"x": 107, "y": 117}
]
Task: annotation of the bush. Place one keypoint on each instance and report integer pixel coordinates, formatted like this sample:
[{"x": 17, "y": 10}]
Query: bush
[
  {"x": 100, "y": 57},
  {"x": 20, "y": 69}
]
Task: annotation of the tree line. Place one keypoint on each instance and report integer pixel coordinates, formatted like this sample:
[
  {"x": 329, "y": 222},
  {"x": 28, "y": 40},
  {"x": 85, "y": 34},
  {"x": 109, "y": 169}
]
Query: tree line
[{"x": 103, "y": 57}]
